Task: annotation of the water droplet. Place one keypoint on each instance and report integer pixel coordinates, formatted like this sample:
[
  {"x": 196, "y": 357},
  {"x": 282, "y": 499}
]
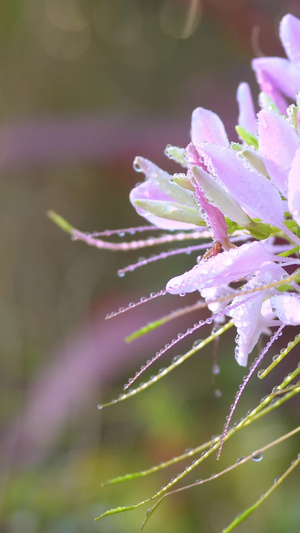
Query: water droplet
[
  {"x": 188, "y": 451},
  {"x": 257, "y": 457},
  {"x": 217, "y": 393},
  {"x": 121, "y": 274},
  {"x": 240, "y": 459},
  {"x": 216, "y": 370}
]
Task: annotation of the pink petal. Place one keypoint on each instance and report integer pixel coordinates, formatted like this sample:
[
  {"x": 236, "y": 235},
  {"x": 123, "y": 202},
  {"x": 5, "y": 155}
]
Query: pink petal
[
  {"x": 213, "y": 216},
  {"x": 247, "y": 118},
  {"x": 248, "y": 187},
  {"x": 287, "y": 308},
  {"x": 277, "y": 74},
  {"x": 294, "y": 188},
  {"x": 277, "y": 141},
  {"x": 158, "y": 186},
  {"x": 212, "y": 295},
  {"x": 150, "y": 190},
  {"x": 221, "y": 269},
  {"x": 289, "y": 32},
  {"x": 249, "y": 323},
  {"x": 252, "y": 317},
  {"x": 207, "y": 126}
]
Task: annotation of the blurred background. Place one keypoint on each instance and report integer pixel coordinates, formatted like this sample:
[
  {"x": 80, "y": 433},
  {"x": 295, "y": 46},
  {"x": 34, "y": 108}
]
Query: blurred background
[{"x": 85, "y": 86}]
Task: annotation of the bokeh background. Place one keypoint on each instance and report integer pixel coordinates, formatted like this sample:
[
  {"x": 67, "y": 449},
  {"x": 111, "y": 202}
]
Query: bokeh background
[{"x": 85, "y": 86}]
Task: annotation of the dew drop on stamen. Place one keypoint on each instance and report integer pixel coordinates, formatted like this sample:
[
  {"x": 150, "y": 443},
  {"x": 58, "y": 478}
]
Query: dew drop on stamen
[
  {"x": 257, "y": 457},
  {"x": 216, "y": 370},
  {"x": 217, "y": 393},
  {"x": 197, "y": 343}
]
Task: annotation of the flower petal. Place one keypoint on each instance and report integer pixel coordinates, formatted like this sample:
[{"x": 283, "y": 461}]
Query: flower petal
[
  {"x": 220, "y": 197},
  {"x": 232, "y": 265},
  {"x": 252, "y": 317},
  {"x": 150, "y": 191},
  {"x": 247, "y": 118},
  {"x": 249, "y": 323},
  {"x": 164, "y": 181},
  {"x": 248, "y": 187},
  {"x": 207, "y": 126},
  {"x": 287, "y": 308},
  {"x": 277, "y": 74},
  {"x": 289, "y": 31},
  {"x": 278, "y": 141},
  {"x": 294, "y": 188}
]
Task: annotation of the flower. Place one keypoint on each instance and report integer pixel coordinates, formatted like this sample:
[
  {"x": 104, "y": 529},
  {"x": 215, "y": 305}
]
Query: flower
[
  {"x": 242, "y": 195},
  {"x": 245, "y": 197}
]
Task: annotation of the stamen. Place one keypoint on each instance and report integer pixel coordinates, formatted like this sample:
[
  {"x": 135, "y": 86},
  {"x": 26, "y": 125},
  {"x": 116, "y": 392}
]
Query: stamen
[
  {"x": 124, "y": 231},
  {"x": 162, "y": 255},
  {"x": 89, "y": 239},
  {"x": 180, "y": 337},
  {"x": 132, "y": 305},
  {"x": 242, "y": 387}
]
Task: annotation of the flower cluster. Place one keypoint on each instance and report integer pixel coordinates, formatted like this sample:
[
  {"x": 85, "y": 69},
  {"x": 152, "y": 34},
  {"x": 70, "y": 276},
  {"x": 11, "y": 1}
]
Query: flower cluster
[
  {"x": 249, "y": 189},
  {"x": 243, "y": 199}
]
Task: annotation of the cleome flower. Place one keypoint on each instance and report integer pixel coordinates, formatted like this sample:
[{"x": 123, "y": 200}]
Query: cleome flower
[
  {"x": 242, "y": 196},
  {"x": 240, "y": 203}
]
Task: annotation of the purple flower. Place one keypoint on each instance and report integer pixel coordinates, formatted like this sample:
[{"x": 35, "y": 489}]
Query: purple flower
[{"x": 229, "y": 191}]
